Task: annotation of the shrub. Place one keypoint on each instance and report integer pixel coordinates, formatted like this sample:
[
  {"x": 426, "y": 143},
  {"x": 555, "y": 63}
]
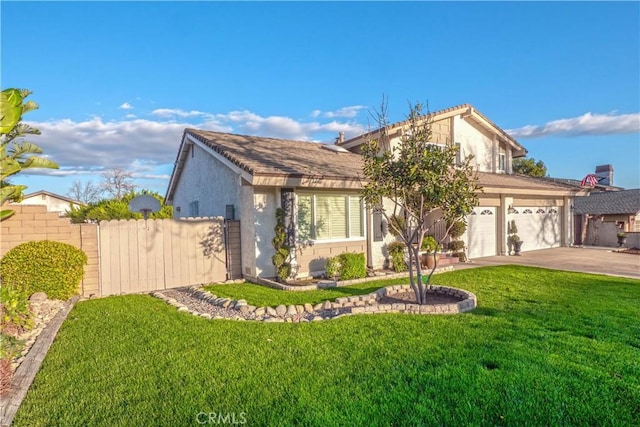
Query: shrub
[
  {"x": 54, "y": 268},
  {"x": 332, "y": 268},
  {"x": 352, "y": 266},
  {"x": 10, "y": 347},
  {"x": 396, "y": 252},
  {"x": 396, "y": 223},
  {"x": 458, "y": 229},
  {"x": 429, "y": 244},
  {"x": 514, "y": 238},
  {"x": 15, "y": 313},
  {"x": 280, "y": 259},
  {"x": 455, "y": 245}
]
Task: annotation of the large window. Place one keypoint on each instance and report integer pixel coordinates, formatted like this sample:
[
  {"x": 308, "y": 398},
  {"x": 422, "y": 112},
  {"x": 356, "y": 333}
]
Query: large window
[{"x": 329, "y": 217}]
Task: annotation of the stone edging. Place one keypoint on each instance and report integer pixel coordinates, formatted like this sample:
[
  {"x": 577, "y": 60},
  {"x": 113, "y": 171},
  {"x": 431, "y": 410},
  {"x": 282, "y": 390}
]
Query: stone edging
[
  {"x": 332, "y": 284},
  {"x": 26, "y": 372},
  {"x": 343, "y": 306}
]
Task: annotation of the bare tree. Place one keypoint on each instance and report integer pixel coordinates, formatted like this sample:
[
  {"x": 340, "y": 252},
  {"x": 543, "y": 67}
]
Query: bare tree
[
  {"x": 86, "y": 192},
  {"x": 117, "y": 182}
]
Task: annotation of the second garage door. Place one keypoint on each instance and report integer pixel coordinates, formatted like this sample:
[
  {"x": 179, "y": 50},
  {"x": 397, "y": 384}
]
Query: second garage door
[
  {"x": 538, "y": 227},
  {"x": 481, "y": 232}
]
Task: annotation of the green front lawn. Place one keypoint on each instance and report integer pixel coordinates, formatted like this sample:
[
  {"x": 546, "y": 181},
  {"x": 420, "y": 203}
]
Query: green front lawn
[
  {"x": 261, "y": 296},
  {"x": 543, "y": 348}
]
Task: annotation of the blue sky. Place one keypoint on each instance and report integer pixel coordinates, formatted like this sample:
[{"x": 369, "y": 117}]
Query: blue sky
[{"x": 117, "y": 82}]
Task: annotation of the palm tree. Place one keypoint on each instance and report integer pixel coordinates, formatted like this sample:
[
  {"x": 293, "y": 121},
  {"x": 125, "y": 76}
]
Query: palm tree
[{"x": 16, "y": 154}]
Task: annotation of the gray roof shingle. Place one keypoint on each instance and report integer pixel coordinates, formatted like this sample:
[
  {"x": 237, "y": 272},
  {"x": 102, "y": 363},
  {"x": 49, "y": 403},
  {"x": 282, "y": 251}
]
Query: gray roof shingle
[
  {"x": 609, "y": 203},
  {"x": 279, "y": 157}
]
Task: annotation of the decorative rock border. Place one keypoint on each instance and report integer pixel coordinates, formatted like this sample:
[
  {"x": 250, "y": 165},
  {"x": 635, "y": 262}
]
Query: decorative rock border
[{"x": 358, "y": 304}]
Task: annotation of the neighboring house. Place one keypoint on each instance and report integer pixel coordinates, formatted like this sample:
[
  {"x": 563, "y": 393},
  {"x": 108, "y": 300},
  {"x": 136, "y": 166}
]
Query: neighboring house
[
  {"x": 53, "y": 202},
  {"x": 601, "y": 215},
  {"x": 602, "y": 181},
  {"x": 248, "y": 178}
]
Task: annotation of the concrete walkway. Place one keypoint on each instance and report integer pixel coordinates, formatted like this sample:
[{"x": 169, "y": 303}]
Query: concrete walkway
[{"x": 586, "y": 260}]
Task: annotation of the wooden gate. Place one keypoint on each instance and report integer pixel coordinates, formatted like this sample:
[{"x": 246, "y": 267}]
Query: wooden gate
[{"x": 147, "y": 255}]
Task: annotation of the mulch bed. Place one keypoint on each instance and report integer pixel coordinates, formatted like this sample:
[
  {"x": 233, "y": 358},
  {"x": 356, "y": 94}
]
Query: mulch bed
[{"x": 433, "y": 298}]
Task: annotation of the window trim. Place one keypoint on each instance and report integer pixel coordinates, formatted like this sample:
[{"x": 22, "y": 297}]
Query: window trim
[{"x": 313, "y": 238}]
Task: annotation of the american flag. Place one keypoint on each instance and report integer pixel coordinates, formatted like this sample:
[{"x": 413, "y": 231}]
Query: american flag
[{"x": 589, "y": 181}]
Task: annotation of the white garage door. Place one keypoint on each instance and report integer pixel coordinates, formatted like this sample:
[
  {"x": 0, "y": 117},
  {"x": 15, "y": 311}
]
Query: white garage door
[
  {"x": 538, "y": 227},
  {"x": 481, "y": 232}
]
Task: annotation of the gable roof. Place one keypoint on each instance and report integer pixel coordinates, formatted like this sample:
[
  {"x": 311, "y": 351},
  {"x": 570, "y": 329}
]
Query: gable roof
[
  {"x": 624, "y": 202},
  {"x": 54, "y": 195},
  {"x": 467, "y": 110},
  {"x": 273, "y": 161}
]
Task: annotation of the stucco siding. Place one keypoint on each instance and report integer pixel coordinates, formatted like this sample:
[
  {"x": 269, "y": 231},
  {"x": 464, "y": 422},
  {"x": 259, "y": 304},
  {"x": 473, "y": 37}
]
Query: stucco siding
[
  {"x": 265, "y": 203},
  {"x": 209, "y": 182},
  {"x": 247, "y": 231},
  {"x": 311, "y": 259},
  {"x": 379, "y": 253},
  {"x": 473, "y": 141},
  {"x": 53, "y": 204}
]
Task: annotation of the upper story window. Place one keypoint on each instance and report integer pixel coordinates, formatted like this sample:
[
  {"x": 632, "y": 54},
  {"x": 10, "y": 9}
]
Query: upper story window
[
  {"x": 329, "y": 217},
  {"x": 502, "y": 161}
]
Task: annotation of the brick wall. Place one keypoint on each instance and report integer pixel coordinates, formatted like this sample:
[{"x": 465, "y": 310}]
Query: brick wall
[{"x": 31, "y": 222}]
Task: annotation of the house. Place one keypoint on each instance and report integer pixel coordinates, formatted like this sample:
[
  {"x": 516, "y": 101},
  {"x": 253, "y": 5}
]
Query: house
[
  {"x": 601, "y": 215},
  {"x": 249, "y": 177},
  {"x": 53, "y": 202},
  {"x": 601, "y": 180},
  {"x": 540, "y": 208}
]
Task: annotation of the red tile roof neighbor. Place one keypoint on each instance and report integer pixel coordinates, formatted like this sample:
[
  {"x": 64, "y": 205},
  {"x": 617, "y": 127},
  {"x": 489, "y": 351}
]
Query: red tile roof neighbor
[{"x": 280, "y": 157}]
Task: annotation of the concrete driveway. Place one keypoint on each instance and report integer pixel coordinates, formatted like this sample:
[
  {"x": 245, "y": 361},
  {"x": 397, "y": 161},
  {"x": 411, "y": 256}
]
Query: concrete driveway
[{"x": 585, "y": 260}]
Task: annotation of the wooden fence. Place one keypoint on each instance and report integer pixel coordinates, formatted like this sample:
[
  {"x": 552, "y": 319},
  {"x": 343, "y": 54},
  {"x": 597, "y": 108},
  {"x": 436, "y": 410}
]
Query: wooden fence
[
  {"x": 139, "y": 255},
  {"x": 33, "y": 222},
  {"x": 135, "y": 255}
]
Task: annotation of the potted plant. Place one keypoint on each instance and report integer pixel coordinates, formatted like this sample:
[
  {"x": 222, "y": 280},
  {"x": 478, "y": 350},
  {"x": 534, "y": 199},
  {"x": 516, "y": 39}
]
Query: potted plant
[
  {"x": 516, "y": 243},
  {"x": 513, "y": 241},
  {"x": 622, "y": 238},
  {"x": 430, "y": 246},
  {"x": 457, "y": 249}
]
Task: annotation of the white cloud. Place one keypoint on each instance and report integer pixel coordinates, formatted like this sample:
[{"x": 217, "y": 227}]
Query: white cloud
[
  {"x": 250, "y": 123},
  {"x": 176, "y": 112},
  {"x": 126, "y": 106},
  {"x": 130, "y": 116},
  {"x": 139, "y": 145},
  {"x": 345, "y": 112},
  {"x": 587, "y": 124}
]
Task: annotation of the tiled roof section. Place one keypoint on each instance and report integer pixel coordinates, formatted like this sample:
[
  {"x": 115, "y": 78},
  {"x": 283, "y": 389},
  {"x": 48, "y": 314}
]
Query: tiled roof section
[
  {"x": 280, "y": 157},
  {"x": 500, "y": 180},
  {"x": 609, "y": 203}
]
